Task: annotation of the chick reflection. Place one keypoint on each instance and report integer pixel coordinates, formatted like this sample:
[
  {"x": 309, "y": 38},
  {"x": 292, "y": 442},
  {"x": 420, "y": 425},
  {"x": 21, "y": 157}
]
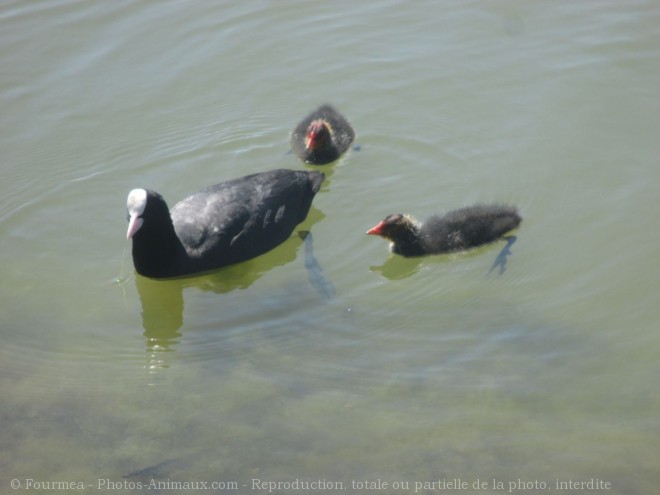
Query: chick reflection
[{"x": 398, "y": 267}]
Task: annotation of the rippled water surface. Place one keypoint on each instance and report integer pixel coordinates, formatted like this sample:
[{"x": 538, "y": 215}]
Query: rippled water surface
[{"x": 406, "y": 370}]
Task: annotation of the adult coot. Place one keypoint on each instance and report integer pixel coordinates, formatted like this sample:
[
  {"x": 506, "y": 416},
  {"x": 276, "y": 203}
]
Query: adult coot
[
  {"x": 458, "y": 230},
  {"x": 322, "y": 137},
  {"x": 222, "y": 224}
]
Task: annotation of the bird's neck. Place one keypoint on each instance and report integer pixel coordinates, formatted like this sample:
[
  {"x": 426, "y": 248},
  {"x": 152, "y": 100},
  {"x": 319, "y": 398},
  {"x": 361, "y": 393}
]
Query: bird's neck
[
  {"x": 156, "y": 250},
  {"x": 408, "y": 240}
]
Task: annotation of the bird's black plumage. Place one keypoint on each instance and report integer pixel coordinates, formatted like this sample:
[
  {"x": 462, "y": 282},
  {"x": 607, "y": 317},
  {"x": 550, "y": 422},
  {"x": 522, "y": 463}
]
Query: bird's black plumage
[
  {"x": 220, "y": 225},
  {"x": 457, "y": 230},
  {"x": 341, "y": 135}
]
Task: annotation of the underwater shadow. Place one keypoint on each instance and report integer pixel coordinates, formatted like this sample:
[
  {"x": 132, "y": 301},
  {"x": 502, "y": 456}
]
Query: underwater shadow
[{"x": 500, "y": 261}]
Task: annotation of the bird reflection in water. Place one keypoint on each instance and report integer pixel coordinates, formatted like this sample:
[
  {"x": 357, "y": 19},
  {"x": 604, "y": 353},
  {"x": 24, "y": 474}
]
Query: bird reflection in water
[
  {"x": 397, "y": 267},
  {"x": 163, "y": 302}
]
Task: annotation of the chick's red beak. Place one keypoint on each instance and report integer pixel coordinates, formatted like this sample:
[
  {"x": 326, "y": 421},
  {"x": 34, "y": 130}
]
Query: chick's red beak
[
  {"x": 377, "y": 230},
  {"x": 316, "y": 134},
  {"x": 311, "y": 141}
]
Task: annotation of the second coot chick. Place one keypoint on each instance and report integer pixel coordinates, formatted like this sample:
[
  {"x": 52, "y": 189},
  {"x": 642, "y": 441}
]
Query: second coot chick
[
  {"x": 458, "y": 230},
  {"x": 322, "y": 137}
]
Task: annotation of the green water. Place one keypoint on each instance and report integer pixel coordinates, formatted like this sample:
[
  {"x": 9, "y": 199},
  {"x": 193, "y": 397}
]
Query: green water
[{"x": 416, "y": 371}]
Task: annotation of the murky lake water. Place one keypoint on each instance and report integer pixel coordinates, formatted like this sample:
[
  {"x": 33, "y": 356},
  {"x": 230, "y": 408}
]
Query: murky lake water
[{"x": 415, "y": 370}]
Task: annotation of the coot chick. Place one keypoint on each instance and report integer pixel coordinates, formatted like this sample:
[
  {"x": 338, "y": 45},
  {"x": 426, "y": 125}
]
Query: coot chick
[
  {"x": 322, "y": 137},
  {"x": 220, "y": 225},
  {"x": 458, "y": 230}
]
